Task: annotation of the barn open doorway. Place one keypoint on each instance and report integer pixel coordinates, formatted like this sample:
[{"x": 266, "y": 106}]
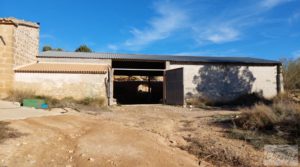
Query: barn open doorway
[{"x": 138, "y": 82}]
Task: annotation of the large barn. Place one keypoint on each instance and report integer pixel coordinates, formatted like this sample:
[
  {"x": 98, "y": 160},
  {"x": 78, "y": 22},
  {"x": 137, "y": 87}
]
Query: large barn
[
  {"x": 136, "y": 78},
  {"x": 128, "y": 78}
]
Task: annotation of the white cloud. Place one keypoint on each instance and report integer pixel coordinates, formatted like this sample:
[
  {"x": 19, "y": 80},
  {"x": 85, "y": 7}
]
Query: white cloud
[
  {"x": 272, "y": 3},
  {"x": 220, "y": 34},
  {"x": 112, "y": 47},
  {"x": 226, "y": 26},
  {"x": 294, "y": 17},
  {"x": 47, "y": 36},
  {"x": 170, "y": 19},
  {"x": 296, "y": 54}
]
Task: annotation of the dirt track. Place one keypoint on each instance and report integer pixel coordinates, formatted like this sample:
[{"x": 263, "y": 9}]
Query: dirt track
[{"x": 127, "y": 136}]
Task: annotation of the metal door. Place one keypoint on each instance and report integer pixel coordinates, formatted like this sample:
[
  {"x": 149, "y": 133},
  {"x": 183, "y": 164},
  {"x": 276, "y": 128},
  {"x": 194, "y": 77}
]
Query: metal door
[{"x": 174, "y": 91}]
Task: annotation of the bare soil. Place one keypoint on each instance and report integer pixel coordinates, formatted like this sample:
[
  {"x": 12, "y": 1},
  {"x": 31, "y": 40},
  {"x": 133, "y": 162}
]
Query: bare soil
[{"x": 135, "y": 135}]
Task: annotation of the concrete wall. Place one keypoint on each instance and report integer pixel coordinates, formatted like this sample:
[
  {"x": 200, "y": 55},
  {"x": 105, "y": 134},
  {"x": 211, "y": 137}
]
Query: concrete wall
[
  {"x": 226, "y": 83},
  {"x": 19, "y": 43},
  {"x": 60, "y": 85}
]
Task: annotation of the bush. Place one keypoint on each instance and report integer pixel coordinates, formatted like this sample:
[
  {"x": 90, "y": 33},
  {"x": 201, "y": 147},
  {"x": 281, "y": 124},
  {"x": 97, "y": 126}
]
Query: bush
[
  {"x": 291, "y": 74},
  {"x": 258, "y": 117},
  {"x": 279, "y": 117},
  {"x": 19, "y": 95}
]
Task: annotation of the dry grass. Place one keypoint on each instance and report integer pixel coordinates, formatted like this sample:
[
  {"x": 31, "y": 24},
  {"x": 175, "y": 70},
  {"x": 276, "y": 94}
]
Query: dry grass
[
  {"x": 291, "y": 74},
  {"x": 7, "y": 132},
  {"x": 246, "y": 100},
  {"x": 278, "y": 123},
  {"x": 67, "y": 102},
  {"x": 206, "y": 150},
  {"x": 277, "y": 116}
]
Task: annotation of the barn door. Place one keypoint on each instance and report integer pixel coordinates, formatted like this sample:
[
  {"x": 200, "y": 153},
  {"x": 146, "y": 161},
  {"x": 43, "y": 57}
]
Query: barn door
[{"x": 174, "y": 93}]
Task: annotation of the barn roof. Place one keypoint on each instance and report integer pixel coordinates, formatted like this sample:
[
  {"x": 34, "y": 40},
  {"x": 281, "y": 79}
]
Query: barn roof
[
  {"x": 145, "y": 57},
  {"x": 63, "y": 68}
]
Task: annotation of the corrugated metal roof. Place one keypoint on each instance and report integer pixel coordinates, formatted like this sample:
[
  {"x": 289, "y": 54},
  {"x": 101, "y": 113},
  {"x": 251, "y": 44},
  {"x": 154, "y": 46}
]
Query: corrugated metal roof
[
  {"x": 116, "y": 56},
  {"x": 63, "y": 68}
]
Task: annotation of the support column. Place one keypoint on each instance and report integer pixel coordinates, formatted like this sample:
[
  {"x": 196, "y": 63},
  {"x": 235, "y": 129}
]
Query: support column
[
  {"x": 111, "y": 87},
  {"x": 279, "y": 79}
]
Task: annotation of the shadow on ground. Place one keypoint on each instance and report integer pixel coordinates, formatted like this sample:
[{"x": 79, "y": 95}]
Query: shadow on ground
[{"x": 7, "y": 132}]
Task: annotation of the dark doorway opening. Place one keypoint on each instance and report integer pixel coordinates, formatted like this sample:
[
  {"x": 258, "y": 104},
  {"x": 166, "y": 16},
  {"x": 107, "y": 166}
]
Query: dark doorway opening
[{"x": 138, "y": 86}]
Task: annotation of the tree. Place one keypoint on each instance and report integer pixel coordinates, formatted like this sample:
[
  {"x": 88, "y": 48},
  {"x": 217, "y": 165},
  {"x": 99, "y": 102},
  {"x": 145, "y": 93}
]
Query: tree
[
  {"x": 83, "y": 48},
  {"x": 49, "y": 48},
  {"x": 46, "y": 48},
  {"x": 59, "y": 49}
]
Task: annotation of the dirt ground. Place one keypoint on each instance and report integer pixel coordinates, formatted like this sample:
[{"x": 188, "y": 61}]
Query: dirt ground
[{"x": 142, "y": 135}]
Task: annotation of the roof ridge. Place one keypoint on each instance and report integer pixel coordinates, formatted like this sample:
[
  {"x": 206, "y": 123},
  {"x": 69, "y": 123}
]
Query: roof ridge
[{"x": 134, "y": 56}]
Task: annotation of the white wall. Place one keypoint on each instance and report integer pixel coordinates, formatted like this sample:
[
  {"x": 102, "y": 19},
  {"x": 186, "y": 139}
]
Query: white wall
[
  {"x": 61, "y": 85},
  {"x": 264, "y": 79}
]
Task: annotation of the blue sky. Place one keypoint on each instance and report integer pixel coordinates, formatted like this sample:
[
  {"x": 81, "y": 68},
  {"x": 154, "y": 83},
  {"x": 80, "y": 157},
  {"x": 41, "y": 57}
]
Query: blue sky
[{"x": 257, "y": 28}]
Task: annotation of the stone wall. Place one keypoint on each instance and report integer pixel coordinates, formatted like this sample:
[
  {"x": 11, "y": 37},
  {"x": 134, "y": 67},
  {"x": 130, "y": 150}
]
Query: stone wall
[
  {"x": 6, "y": 58},
  {"x": 26, "y": 45},
  {"x": 217, "y": 83},
  {"x": 19, "y": 44},
  {"x": 60, "y": 85}
]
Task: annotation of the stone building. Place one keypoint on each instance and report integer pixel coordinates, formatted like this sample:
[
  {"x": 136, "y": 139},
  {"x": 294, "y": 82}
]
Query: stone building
[
  {"x": 19, "y": 44},
  {"x": 109, "y": 75}
]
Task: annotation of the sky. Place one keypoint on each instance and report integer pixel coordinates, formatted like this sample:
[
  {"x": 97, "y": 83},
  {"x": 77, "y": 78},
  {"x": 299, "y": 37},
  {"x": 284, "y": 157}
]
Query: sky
[{"x": 268, "y": 29}]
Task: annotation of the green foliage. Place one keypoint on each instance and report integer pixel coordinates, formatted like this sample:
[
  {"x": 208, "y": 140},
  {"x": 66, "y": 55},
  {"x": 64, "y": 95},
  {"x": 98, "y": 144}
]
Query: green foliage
[
  {"x": 49, "y": 48},
  {"x": 83, "y": 48}
]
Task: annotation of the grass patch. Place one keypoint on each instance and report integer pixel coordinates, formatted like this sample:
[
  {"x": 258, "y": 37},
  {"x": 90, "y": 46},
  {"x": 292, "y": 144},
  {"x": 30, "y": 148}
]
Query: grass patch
[
  {"x": 67, "y": 102},
  {"x": 7, "y": 132}
]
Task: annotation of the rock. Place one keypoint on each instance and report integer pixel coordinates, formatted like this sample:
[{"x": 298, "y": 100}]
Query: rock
[
  {"x": 68, "y": 165},
  {"x": 71, "y": 151},
  {"x": 91, "y": 159}
]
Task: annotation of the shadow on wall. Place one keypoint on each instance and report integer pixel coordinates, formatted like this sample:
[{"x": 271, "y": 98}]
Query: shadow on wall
[{"x": 223, "y": 83}]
